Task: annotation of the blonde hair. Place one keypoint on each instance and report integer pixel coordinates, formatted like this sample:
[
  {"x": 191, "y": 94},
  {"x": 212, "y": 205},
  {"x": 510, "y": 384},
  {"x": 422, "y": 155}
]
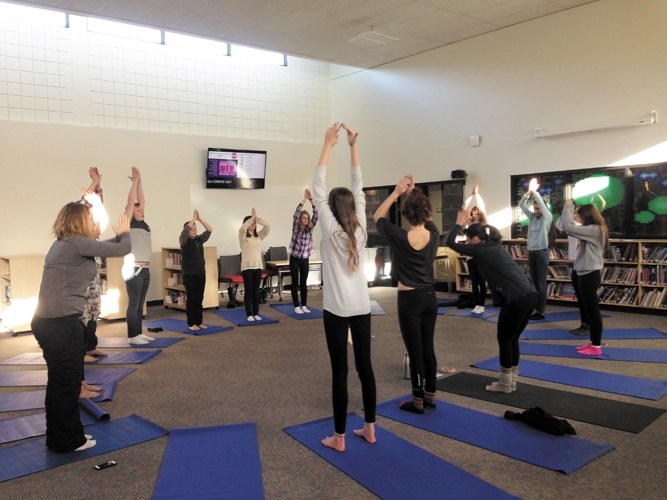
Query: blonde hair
[
  {"x": 72, "y": 220},
  {"x": 341, "y": 202}
]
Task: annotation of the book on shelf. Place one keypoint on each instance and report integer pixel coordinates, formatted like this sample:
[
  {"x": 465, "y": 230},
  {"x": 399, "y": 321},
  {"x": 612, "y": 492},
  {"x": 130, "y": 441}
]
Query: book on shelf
[{"x": 654, "y": 254}]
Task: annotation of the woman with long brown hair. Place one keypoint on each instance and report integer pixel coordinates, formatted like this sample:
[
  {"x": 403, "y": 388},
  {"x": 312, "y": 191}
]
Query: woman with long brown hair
[
  {"x": 345, "y": 287},
  {"x": 300, "y": 249},
  {"x": 593, "y": 238}
]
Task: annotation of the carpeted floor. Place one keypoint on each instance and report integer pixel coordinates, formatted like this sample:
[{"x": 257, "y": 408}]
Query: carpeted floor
[{"x": 278, "y": 375}]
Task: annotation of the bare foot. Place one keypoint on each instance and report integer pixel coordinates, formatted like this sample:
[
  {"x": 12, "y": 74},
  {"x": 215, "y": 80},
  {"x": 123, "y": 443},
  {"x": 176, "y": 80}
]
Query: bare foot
[
  {"x": 84, "y": 394},
  {"x": 368, "y": 432},
  {"x": 203, "y": 326},
  {"x": 194, "y": 328},
  {"x": 86, "y": 386},
  {"x": 337, "y": 442},
  {"x": 96, "y": 352},
  {"x": 89, "y": 359}
]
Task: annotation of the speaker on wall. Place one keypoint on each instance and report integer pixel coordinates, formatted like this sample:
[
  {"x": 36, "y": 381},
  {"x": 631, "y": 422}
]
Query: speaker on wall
[{"x": 459, "y": 174}]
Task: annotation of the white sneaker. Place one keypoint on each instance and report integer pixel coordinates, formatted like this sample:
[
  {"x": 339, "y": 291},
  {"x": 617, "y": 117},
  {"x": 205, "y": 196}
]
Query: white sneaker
[
  {"x": 138, "y": 340},
  {"x": 258, "y": 317},
  {"x": 250, "y": 318},
  {"x": 298, "y": 310},
  {"x": 305, "y": 309},
  {"x": 146, "y": 337},
  {"x": 478, "y": 310},
  {"x": 88, "y": 444}
]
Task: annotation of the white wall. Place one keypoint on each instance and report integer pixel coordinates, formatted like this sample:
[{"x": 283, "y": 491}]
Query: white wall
[
  {"x": 596, "y": 65},
  {"x": 71, "y": 99}
]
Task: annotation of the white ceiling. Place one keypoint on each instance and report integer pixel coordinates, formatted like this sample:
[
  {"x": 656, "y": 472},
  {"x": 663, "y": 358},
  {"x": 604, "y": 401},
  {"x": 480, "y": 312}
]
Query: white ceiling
[{"x": 361, "y": 33}]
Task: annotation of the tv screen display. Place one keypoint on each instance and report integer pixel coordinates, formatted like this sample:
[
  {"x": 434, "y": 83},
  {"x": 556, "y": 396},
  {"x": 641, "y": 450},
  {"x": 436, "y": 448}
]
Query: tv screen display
[
  {"x": 632, "y": 199},
  {"x": 235, "y": 169}
]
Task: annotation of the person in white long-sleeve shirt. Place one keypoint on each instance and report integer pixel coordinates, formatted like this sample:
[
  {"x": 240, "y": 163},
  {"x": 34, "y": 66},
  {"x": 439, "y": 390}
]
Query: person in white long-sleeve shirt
[{"x": 345, "y": 288}]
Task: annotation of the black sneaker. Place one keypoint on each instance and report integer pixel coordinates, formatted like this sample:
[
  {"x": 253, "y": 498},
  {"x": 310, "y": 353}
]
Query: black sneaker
[
  {"x": 581, "y": 330},
  {"x": 536, "y": 316}
]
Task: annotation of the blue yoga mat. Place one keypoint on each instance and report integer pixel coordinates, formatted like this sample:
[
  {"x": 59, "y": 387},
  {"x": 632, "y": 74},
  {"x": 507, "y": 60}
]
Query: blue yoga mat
[
  {"x": 181, "y": 326},
  {"x": 120, "y": 342},
  {"x": 551, "y": 317},
  {"x": 26, "y": 458},
  {"x": 27, "y": 426},
  {"x": 590, "y": 379},
  {"x": 211, "y": 462},
  {"x": 444, "y": 309},
  {"x": 33, "y": 400},
  {"x": 390, "y": 468},
  {"x": 238, "y": 317},
  {"x": 608, "y": 353},
  {"x": 609, "y": 333},
  {"x": 495, "y": 433},
  {"x": 95, "y": 376},
  {"x": 489, "y": 311},
  {"x": 376, "y": 309},
  {"x": 289, "y": 310},
  {"x": 111, "y": 358}
]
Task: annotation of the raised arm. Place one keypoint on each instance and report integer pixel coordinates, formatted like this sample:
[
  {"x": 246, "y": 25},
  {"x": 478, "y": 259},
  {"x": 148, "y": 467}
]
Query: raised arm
[
  {"x": 352, "y": 141},
  {"x": 475, "y": 199},
  {"x": 405, "y": 185},
  {"x": 132, "y": 195},
  {"x": 206, "y": 225}
]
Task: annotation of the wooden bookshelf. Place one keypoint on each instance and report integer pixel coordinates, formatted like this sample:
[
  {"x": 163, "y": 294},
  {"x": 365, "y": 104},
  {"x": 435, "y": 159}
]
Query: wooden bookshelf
[
  {"x": 114, "y": 294},
  {"x": 172, "y": 278},
  {"x": 20, "y": 279},
  {"x": 634, "y": 276}
]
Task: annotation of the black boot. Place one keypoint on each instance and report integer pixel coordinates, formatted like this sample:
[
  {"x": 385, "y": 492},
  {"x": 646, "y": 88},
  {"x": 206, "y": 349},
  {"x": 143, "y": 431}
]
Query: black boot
[{"x": 232, "y": 297}]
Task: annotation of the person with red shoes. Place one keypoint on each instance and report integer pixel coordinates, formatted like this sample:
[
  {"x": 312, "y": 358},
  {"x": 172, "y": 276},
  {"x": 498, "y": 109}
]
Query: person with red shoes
[{"x": 593, "y": 238}]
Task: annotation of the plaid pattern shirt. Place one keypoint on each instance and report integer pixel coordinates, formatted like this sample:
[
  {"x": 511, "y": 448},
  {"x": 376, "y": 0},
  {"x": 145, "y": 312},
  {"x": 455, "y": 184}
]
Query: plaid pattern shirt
[{"x": 301, "y": 245}]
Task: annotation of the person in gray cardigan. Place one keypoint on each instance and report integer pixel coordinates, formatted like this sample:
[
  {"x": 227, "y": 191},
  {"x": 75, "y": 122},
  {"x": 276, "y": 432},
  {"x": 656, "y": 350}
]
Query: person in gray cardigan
[
  {"x": 587, "y": 268},
  {"x": 69, "y": 268}
]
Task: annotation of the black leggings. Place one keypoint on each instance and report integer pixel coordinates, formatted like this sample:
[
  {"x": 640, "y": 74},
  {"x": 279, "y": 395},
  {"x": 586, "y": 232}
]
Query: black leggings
[
  {"x": 298, "y": 270},
  {"x": 512, "y": 320},
  {"x": 251, "y": 281},
  {"x": 582, "y": 311},
  {"x": 194, "y": 297},
  {"x": 335, "y": 330},
  {"x": 587, "y": 296},
  {"x": 417, "y": 312},
  {"x": 478, "y": 283}
]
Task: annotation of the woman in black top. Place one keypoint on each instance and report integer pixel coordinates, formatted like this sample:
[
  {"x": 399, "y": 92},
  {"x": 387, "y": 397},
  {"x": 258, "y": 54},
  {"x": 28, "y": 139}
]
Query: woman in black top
[
  {"x": 413, "y": 252},
  {"x": 194, "y": 269},
  {"x": 510, "y": 289}
]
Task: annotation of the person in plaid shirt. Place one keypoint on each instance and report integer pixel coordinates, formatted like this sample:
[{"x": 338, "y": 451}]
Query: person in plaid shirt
[{"x": 300, "y": 249}]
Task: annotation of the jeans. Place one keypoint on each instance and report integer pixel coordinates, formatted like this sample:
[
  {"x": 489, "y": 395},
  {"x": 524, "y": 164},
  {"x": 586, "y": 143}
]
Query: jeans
[
  {"x": 62, "y": 343},
  {"x": 194, "y": 296},
  {"x": 137, "y": 288},
  {"x": 538, "y": 261}
]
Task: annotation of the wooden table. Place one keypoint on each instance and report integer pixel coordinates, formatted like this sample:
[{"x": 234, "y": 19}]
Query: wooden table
[{"x": 282, "y": 268}]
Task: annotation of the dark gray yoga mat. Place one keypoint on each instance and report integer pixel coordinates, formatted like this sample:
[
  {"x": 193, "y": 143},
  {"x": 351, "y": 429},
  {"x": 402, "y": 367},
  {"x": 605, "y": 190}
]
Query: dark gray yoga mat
[{"x": 619, "y": 415}]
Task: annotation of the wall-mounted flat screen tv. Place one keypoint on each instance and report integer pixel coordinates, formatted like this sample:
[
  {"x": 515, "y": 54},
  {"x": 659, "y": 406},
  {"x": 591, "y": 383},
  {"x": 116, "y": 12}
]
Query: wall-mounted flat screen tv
[
  {"x": 235, "y": 169},
  {"x": 632, "y": 199}
]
